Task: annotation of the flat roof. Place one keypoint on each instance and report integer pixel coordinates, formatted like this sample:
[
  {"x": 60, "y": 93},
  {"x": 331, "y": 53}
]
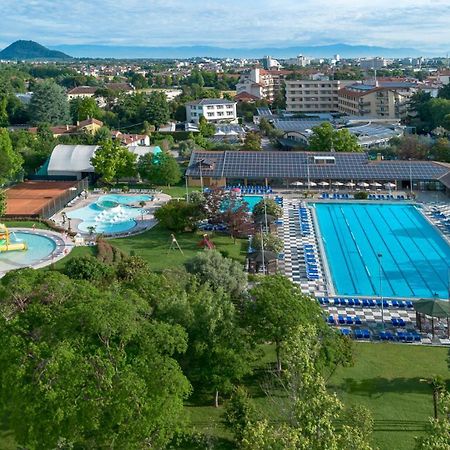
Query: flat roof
[{"x": 295, "y": 165}]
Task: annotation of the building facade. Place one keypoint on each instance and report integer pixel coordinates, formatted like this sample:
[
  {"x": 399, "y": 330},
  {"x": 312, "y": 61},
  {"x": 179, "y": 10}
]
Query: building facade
[
  {"x": 307, "y": 96},
  {"x": 388, "y": 100},
  {"x": 214, "y": 110}
]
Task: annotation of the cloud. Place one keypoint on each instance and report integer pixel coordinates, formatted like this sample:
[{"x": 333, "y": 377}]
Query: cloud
[{"x": 246, "y": 23}]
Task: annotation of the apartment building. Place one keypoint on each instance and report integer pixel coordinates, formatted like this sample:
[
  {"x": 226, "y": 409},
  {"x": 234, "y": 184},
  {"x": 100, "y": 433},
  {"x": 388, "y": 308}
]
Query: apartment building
[
  {"x": 214, "y": 110},
  {"x": 261, "y": 83},
  {"x": 313, "y": 95},
  {"x": 387, "y": 100}
]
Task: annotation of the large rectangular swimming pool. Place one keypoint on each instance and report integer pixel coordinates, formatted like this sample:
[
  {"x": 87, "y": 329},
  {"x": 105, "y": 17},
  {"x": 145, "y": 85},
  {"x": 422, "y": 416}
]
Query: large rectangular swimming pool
[{"x": 415, "y": 257}]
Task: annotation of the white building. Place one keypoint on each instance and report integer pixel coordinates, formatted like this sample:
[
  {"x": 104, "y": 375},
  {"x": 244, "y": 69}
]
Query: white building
[
  {"x": 214, "y": 110},
  {"x": 373, "y": 63}
]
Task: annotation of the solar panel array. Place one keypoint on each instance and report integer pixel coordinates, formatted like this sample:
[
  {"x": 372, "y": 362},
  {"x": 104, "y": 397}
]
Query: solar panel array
[
  {"x": 294, "y": 165},
  {"x": 299, "y": 125}
]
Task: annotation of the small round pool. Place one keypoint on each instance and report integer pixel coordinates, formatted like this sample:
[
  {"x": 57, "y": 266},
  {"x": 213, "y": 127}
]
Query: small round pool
[
  {"x": 110, "y": 214},
  {"x": 39, "y": 248}
]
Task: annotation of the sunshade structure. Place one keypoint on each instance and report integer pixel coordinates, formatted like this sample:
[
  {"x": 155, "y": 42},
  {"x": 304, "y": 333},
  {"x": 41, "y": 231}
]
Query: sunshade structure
[
  {"x": 376, "y": 184},
  {"x": 390, "y": 185},
  {"x": 297, "y": 183},
  {"x": 432, "y": 307},
  {"x": 311, "y": 183},
  {"x": 350, "y": 184},
  {"x": 324, "y": 183},
  {"x": 363, "y": 184},
  {"x": 266, "y": 259}
]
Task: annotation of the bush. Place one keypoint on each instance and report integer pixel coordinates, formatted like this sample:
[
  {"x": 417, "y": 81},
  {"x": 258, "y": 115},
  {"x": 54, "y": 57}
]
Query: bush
[
  {"x": 179, "y": 215},
  {"x": 88, "y": 268},
  {"x": 361, "y": 195}
]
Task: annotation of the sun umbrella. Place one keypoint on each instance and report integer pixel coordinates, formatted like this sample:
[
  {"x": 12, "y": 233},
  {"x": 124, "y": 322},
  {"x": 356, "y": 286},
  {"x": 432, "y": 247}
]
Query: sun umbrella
[
  {"x": 297, "y": 183},
  {"x": 390, "y": 185},
  {"x": 324, "y": 183},
  {"x": 363, "y": 184},
  {"x": 338, "y": 183},
  {"x": 311, "y": 183},
  {"x": 376, "y": 184},
  {"x": 236, "y": 189},
  {"x": 350, "y": 184}
]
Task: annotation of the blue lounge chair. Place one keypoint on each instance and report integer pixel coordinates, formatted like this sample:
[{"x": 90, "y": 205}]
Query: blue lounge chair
[
  {"x": 349, "y": 320},
  {"x": 330, "y": 320},
  {"x": 358, "y": 320},
  {"x": 341, "y": 320}
]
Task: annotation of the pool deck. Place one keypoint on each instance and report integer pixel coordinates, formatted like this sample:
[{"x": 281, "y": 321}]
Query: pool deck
[
  {"x": 64, "y": 245},
  {"x": 143, "y": 223}
]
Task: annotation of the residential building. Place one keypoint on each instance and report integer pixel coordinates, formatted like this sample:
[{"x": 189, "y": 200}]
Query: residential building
[
  {"x": 262, "y": 83},
  {"x": 314, "y": 95},
  {"x": 131, "y": 140},
  {"x": 89, "y": 91},
  {"x": 214, "y": 110},
  {"x": 89, "y": 126},
  {"x": 373, "y": 63},
  {"x": 270, "y": 63},
  {"x": 380, "y": 99}
]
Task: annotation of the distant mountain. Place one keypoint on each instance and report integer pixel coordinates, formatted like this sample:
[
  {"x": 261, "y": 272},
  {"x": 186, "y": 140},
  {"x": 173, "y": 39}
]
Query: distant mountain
[
  {"x": 323, "y": 51},
  {"x": 29, "y": 50}
]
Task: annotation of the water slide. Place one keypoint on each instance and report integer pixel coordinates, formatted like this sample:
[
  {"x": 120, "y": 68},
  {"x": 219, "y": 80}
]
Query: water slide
[{"x": 5, "y": 243}]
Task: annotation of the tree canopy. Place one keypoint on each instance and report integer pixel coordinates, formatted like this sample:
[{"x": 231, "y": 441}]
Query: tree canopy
[
  {"x": 86, "y": 368},
  {"x": 10, "y": 161},
  {"x": 49, "y": 104},
  {"x": 112, "y": 161},
  {"x": 159, "y": 169},
  {"x": 326, "y": 138}
]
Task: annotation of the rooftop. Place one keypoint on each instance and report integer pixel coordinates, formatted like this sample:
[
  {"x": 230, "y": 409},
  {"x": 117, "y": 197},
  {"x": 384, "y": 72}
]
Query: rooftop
[{"x": 211, "y": 101}]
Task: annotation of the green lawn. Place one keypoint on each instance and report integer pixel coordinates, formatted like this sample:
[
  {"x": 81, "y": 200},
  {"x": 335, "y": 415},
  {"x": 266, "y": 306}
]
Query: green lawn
[
  {"x": 24, "y": 224},
  {"x": 154, "y": 247},
  {"x": 385, "y": 379}
]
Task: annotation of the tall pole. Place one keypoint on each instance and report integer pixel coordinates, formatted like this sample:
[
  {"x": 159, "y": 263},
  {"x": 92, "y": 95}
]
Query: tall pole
[
  {"x": 410, "y": 177},
  {"x": 379, "y": 255},
  {"x": 307, "y": 170},
  {"x": 201, "y": 176},
  {"x": 187, "y": 190},
  {"x": 262, "y": 252}
]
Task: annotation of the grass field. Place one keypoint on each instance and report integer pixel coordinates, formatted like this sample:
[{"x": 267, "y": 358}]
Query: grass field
[
  {"x": 154, "y": 247},
  {"x": 386, "y": 378},
  {"x": 24, "y": 224}
]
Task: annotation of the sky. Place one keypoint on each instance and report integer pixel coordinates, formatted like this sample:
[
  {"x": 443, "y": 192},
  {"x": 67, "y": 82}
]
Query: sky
[{"x": 419, "y": 24}]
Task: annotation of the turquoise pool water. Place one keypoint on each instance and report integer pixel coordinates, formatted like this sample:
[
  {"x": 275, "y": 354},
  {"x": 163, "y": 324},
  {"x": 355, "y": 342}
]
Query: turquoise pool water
[
  {"x": 415, "y": 257},
  {"x": 110, "y": 213},
  {"x": 39, "y": 247},
  {"x": 251, "y": 201}
]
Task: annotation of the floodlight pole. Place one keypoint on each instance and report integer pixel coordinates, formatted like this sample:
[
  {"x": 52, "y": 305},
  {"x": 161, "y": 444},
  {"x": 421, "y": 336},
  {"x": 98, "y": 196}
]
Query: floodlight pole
[
  {"x": 379, "y": 256},
  {"x": 262, "y": 252},
  {"x": 410, "y": 177},
  {"x": 307, "y": 170}
]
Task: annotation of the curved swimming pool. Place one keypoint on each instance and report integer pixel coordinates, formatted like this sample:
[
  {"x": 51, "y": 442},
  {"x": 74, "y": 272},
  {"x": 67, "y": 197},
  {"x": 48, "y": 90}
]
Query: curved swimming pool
[
  {"x": 110, "y": 214},
  {"x": 39, "y": 248}
]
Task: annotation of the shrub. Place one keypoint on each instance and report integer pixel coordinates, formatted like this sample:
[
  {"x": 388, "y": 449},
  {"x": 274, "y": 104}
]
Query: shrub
[
  {"x": 88, "y": 268},
  {"x": 179, "y": 215},
  {"x": 361, "y": 195},
  {"x": 272, "y": 242},
  {"x": 271, "y": 207}
]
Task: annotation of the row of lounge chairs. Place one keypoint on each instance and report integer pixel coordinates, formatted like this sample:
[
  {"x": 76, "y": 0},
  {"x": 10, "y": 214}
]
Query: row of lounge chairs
[
  {"x": 311, "y": 264},
  {"x": 305, "y": 221},
  {"x": 366, "y": 302},
  {"x": 326, "y": 195},
  {"x": 399, "y": 336},
  {"x": 385, "y": 197},
  {"x": 341, "y": 320},
  {"x": 250, "y": 189}
]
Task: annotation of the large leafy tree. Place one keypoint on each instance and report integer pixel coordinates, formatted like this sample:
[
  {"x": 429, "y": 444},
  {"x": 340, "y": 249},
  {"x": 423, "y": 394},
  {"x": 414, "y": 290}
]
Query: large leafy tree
[
  {"x": 277, "y": 308},
  {"x": 160, "y": 169},
  {"x": 219, "y": 272},
  {"x": 219, "y": 351},
  {"x": 86, "y": 368},
  {"x": 2, "y": 203},
  {"x": 326, "y": 138},
  {"x": 179, "y": 215},
  {"x": 157, "y": 109},
  {"x": 10, "y": 161},
  {"x": 84, "y": 108},
  {"x": 252, "y": 141},
  {"x": 113, "y": 161},
  {"x": 269, "y": 206},
  {"x": 49, "y": 104}
]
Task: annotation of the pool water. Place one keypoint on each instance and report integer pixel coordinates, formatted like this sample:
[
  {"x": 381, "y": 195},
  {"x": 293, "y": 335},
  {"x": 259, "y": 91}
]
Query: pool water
[
  {"x": 251, "y": 201},
  {"x": 38, "y": 248},
  {"x": 110, "y": 213},
  {"x": 415, "y": 257}
]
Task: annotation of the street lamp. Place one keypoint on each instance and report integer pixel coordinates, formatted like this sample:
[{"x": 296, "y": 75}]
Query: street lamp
[{"x": 379, "y": 256}]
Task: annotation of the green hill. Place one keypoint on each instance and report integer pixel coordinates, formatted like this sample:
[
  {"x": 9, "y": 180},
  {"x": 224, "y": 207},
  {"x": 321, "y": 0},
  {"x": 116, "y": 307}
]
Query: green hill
[{"x": 26, "y": 50}]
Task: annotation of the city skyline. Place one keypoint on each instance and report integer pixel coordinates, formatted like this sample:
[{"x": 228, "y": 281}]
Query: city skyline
[{"x": 262, "y": 23}]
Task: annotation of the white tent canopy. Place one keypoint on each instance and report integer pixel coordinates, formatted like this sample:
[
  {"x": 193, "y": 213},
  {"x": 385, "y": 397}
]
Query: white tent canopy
[{"x": 363, "y": 184}]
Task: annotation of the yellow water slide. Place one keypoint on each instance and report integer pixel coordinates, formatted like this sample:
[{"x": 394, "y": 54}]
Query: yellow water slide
[{"x": 5, "y": 242}]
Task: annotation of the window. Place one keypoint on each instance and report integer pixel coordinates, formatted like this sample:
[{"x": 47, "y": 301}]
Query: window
[
  {"x": 220, "y": 113},
  {"x": 229, "y": 106},
  {"x": 210, "y": 114},
  {"x": 229, "y": 113},
  {"x": 219, "y": 106}
]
